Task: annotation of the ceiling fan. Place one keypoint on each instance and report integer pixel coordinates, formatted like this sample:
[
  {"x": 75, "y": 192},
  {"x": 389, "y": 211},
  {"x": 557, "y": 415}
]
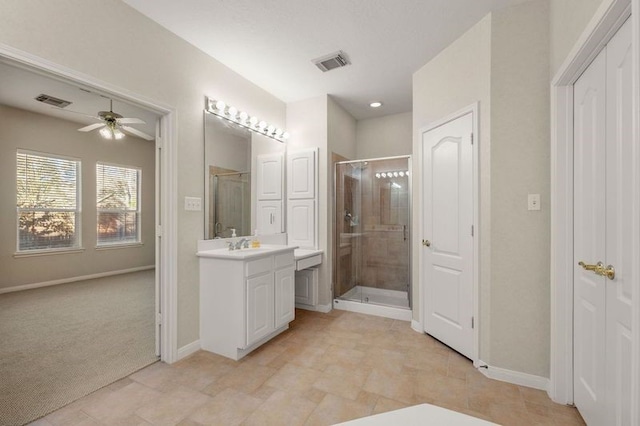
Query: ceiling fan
[{"x": 113, "y": 124}]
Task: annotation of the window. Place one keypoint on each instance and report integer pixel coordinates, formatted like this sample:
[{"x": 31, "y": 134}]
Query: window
[
  {"x": 118, "y": 204},
  {"x": 48, "y": 201}
]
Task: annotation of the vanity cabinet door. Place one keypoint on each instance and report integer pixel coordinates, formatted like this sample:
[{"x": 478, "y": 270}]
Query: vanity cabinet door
[
  {"x": 269, "y": 178},
  {"x": 260, "y": 309},
  {"x": 269, "y": 217},
  {"x": 285, "y": 296},
  {"x": 301, "y": 174}
]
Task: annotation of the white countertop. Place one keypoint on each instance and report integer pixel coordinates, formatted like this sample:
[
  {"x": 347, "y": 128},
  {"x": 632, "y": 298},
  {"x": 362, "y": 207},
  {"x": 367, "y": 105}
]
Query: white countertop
[
  {"x": 245, "y": 253},
  {"x": 304, "y": 253},
  {"x": 420, "y": 415}
]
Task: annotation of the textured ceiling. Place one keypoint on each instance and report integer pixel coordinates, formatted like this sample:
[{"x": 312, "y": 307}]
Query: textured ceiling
[{"x": 272, "y": 43}]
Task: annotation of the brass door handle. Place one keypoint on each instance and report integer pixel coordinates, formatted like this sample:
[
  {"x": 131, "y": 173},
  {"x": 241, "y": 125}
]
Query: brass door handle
[
  {"x": 426, "y": 243},
  {"x": 599, "y": 269}
]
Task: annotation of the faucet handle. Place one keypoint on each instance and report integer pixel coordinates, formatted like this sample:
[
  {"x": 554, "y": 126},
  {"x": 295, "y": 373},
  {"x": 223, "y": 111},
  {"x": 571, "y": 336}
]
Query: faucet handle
[{"x": 231, "y": 245}]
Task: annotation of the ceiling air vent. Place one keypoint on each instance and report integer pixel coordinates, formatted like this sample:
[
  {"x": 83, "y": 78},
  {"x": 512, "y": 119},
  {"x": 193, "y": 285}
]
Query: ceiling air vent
[
  {"x": 332, "y": 61},
  {"x": 50, "y": 100}
]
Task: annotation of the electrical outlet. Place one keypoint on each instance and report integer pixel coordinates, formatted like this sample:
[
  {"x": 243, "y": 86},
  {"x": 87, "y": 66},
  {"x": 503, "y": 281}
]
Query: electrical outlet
[
  {"x": 193, "y": 204},
  {"x": 534, "y": 202}
]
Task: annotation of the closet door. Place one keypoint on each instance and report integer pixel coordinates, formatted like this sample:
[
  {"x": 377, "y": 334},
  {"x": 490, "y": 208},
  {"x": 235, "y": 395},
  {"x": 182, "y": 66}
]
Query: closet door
[{"x": 603, "y": 226}]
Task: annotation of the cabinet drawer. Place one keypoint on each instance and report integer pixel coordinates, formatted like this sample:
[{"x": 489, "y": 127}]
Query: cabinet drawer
[
  {"x": 259, "y": 266},
  {"x": 285, "y": 259}
]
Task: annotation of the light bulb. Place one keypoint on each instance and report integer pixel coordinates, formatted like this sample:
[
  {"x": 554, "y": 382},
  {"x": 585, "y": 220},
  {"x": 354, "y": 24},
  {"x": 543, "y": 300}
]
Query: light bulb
[
  {"x": 243, "y": 116},
  {"x": 384, "y": 175},
  {"x": 117, "y": 134},
  {"x": 233, "y": 111},
  {"x": 253, "y": 121},
  {"x": 375, "y": 104},
  {"x": 220, "y": 106},
  {"x": 262, "y": 125},
  {"x": 278, "y": 133},
  {"x": 285, "y": 135},
  {"x": 407, "y": 172},
  {"x": 401, "y": 174},
  {"x": 395, "y": 174},
  {"x": 271, "y": 129},
  {"x": 105, "y": 132},
  {"x": 378, "y": 175}
]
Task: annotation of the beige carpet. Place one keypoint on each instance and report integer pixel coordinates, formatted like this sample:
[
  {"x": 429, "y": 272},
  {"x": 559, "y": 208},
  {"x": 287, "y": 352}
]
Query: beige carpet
[{"x": 60, "y": 343}]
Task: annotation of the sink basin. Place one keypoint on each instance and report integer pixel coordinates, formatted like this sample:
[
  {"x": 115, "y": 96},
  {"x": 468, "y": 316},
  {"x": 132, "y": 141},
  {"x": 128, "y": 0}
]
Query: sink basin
[{"x": 245, "y": 253}]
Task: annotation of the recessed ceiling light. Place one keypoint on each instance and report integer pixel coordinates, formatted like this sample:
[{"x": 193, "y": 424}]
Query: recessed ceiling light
[{"x": 375, "y": 104}]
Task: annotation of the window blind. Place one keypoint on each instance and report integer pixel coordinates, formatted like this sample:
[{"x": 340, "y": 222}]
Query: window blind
[{"x": 118, "y": 204}]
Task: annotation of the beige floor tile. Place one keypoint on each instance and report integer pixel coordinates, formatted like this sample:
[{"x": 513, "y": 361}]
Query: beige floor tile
[
  {"x": 70, "y": 418},
  {"x": 341, "y": 381},
  {"x": 384, "y": 359},
  {"x": 447, "y": 392},
  {"x": 334, "y": 409},
  {"x": 40, "y": 422},
  {"x": 393, "y": 386},
  {"x": 229, "y": 407},
  {"x": 246, "y": 378},
  {"x": 170, "y": 408},
  {"x": 293, "y": 378},
  {"x": 282, "y": 409},
  {"x": 121, "y": 404},
  {"x": 385, "y": 404}
]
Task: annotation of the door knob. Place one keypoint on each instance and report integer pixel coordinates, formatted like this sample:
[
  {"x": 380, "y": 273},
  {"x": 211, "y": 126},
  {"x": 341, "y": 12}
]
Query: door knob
[{"x": 426, "y": 243}]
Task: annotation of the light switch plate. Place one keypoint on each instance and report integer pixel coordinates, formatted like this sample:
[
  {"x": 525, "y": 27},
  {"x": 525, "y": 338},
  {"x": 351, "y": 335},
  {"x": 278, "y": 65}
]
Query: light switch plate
[
  {"x": 534, "y": 202},
  {"x": 193, "y": 204}
]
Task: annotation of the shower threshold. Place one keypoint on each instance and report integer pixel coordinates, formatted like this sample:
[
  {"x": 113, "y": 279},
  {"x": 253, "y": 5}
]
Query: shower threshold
[{"x": 375, "y": 301}]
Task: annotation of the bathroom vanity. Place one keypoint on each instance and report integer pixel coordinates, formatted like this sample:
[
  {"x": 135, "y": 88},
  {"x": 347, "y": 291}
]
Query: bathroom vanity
[{"x": 246, "y": 297}]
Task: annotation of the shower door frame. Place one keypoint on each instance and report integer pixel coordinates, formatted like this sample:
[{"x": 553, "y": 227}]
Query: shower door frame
[{"x": 408, "y": 157}]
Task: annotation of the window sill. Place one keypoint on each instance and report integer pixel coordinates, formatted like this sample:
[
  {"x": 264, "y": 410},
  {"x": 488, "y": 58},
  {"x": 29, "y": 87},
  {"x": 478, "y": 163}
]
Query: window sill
[
  {"x": 36, "y": 253},
  {"x": 119, "y": 246}
]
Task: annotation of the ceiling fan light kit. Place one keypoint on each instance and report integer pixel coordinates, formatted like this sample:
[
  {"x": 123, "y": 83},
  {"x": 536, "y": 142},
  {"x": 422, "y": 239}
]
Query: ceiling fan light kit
[{"x": 241, "y": 118}]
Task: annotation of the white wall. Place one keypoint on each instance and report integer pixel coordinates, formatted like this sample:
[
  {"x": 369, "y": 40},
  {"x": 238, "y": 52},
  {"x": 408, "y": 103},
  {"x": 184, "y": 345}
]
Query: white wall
[
  {"x": 36, "y": 132},
  {"x": 152, "y": 62},
  {"x": 386, "y": 136},
  {"x": 569, "y": 18},
  {"x": 440, "y": 88},
  {"x": 520, "y": 240}
]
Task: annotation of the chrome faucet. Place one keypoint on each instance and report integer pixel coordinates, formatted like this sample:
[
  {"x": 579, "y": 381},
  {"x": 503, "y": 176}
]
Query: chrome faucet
[{"x": 242, "y": 243}]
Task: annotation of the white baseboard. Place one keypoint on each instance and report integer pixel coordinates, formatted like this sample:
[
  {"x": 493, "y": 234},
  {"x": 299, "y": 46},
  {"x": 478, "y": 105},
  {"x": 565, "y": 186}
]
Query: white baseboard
[
  {"x": 317, "y": 308},
  {"x": 416, "y": 326},
  {"x": 74, "y": 279},
  {"x": 189, "y": 349},
  {"x": 514, "y": 377}
]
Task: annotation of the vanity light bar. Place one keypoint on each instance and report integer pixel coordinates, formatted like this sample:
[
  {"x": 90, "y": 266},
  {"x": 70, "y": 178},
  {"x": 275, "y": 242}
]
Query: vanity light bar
[
  {"x": 243, "y": 119},
  {"x": 399, "y": 173}
]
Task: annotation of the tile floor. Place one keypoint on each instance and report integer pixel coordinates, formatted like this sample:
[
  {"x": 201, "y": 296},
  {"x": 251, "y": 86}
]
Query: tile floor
[{"x": 326, "y": 369}]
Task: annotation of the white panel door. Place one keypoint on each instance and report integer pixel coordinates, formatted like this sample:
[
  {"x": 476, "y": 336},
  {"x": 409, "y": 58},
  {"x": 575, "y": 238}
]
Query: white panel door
[
  {"x": 260, "y": 307},
  {"x": 589, "y": 241},
  {"x": 448, "y": 219},
  {"x": 602, "y": 233},
  {"x": 301, "y": 223},
  {"x": 307, "y": 286},
  {"x": 269, "y": 178},
  {"x": 269, "y": 217},
  {"x": 285, "y": 296},
  {"x": 301, "y": 174},
  {"x": 619, "y": 223}
]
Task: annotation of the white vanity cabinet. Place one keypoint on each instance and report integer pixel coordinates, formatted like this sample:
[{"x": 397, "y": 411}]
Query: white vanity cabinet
[{"x": 246, "y": 298}]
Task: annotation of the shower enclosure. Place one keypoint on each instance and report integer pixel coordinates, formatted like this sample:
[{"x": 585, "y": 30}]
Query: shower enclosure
[
  {"x": 372, "y": 204},
  {"x": 230, "y": 203}
]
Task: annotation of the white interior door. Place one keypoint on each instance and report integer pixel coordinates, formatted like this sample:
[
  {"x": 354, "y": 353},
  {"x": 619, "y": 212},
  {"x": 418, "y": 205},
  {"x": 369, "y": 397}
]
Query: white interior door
[
  {"x": 589, "y": 241},
  {"x": 602, "y": 228},
  {"x": 448, "y": 220}
]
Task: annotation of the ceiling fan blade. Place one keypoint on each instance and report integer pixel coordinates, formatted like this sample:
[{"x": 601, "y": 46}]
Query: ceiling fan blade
[
  {"x": 138, "y": 133},
  {"x": 125, "y": 120},
  {"x": 91, "y": 127}
]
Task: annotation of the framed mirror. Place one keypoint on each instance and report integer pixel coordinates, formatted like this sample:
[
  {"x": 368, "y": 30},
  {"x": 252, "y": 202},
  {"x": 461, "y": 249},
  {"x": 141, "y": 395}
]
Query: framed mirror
[{"x": 232, "y": 165}]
